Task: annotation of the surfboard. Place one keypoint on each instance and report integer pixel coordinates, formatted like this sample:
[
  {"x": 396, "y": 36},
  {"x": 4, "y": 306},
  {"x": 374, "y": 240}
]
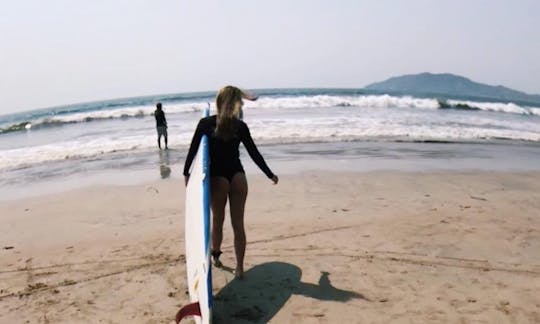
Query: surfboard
[{"x": 197, "y": 237}]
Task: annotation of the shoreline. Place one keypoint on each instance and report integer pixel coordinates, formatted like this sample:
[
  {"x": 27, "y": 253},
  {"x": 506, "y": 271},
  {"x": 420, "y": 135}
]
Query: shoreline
[
  {"x": 125, "y": 169},
  {"x": 381, "y": 246}
]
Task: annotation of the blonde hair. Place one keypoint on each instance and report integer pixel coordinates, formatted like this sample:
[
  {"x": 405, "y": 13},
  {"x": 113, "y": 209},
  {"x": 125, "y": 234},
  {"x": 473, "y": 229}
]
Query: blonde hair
[{"x": 227, "y": 112}]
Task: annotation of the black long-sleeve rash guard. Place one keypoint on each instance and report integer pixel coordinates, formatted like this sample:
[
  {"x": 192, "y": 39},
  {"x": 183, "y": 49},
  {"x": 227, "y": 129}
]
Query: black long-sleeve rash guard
[
  {"x": 160, "y": 118},
  {"x": 225, "y": 154}
]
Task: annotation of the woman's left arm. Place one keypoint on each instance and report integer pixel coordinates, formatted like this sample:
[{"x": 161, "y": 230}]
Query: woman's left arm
[{"x": 254, "y": 153}]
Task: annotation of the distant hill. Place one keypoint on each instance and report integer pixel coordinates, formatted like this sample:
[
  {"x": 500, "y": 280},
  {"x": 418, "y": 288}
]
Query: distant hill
[{"x": 450, "y": 85}]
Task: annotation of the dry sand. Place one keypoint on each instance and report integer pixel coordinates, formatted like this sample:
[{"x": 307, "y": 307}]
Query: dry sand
[{"x": 381, "y": 247}]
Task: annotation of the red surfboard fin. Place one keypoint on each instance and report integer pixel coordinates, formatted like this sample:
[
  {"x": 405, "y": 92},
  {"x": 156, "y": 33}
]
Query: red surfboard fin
[{"x": 192, "y": 309}]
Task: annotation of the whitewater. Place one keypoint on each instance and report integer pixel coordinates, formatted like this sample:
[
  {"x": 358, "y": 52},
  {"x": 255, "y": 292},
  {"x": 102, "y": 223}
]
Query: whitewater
[{"x": 102, "y": 130}]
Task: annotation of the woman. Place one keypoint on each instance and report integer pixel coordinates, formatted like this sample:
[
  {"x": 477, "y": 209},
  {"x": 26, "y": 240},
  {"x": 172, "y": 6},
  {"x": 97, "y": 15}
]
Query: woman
[{"x": 225, "y": 131}]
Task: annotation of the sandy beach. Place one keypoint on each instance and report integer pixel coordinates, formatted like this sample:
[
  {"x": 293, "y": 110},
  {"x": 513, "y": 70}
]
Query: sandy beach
[
  {"x": 405, "y": 137},
  {"x": 323, "y": 247}
]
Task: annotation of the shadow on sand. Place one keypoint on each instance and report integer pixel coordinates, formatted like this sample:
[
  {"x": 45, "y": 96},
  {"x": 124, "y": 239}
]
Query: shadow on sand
[{"x": 264, "y": 291}]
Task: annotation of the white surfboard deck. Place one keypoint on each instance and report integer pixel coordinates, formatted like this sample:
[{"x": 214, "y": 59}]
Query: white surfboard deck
[{"x": 197, "y": 233}]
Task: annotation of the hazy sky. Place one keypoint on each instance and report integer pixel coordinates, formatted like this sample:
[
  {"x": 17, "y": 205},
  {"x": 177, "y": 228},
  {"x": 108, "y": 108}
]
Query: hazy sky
[{"x": 58, "y": 52}]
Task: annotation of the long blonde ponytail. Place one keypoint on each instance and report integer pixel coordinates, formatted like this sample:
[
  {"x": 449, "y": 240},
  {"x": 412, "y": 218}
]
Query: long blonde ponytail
[{"x": 227, "y": 114}]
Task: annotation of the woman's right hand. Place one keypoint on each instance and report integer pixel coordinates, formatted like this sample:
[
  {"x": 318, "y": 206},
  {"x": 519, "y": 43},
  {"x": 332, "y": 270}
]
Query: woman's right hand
[
  {"x": 249, "y": 96},
  {"x": 275, "y": 179}
]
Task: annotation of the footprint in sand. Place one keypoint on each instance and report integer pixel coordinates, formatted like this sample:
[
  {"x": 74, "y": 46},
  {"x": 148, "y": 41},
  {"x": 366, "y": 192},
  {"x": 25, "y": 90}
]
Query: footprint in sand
[
  {"x": 36, "y": 286},
  {"x": 503, "y": 306},
  {"x": 152, "y": 189},
  {"x": 68, "y": 282}
]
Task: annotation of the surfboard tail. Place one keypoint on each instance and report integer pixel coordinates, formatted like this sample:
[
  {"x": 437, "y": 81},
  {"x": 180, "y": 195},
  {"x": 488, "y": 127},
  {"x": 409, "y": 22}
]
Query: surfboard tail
[{"x": 192, "y": 309}]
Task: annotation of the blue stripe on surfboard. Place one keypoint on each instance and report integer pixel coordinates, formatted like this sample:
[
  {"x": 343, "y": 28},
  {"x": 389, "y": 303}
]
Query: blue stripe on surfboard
[
  {"x": 206, "y": 210},
  {"x": 206, "y": 192}
]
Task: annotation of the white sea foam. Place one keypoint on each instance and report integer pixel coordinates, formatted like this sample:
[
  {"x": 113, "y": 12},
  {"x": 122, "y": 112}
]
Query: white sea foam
[
  {"x": 362, "y": 128},
  {"x": 285, "y": 119},
  {"x": 497, "y": 107},
  {"x": 284, "y": 103},
  {"x": 77, "y": 149},
  {"x": 321, "y": 101},
  {"x": 278, "y": 131},
  {"x": 535, "y": 111},
  {"x": 128, "y": 112}
]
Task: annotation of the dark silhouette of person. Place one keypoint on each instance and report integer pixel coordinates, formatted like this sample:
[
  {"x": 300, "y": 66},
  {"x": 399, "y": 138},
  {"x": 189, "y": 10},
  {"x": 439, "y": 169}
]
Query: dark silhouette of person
[{"x": 161, "y": 125}]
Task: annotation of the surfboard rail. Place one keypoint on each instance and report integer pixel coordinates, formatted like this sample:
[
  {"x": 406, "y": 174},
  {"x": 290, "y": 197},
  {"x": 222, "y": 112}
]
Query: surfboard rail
[{"x": 197, "y": 237}]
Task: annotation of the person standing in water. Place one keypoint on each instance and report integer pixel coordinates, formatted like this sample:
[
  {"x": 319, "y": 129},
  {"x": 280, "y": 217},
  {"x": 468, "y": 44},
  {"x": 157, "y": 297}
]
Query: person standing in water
[
  {"x": 161, "y": 125},
  {"x": 225, "y": 132}
]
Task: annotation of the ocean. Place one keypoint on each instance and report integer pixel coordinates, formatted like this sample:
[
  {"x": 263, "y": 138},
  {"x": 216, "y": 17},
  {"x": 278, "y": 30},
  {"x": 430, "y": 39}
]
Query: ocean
[{"x": 352, "y": 124}]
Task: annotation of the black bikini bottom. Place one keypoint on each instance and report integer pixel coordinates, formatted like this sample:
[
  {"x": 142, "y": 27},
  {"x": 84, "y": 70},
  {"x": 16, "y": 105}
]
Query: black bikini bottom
[{"x": 227, "y": 173}]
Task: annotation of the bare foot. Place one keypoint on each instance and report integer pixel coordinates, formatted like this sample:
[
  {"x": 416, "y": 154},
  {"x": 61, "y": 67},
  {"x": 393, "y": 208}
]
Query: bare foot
[
  {"x": 215, "y": 256},
  {"x": 218, "y": 263}
]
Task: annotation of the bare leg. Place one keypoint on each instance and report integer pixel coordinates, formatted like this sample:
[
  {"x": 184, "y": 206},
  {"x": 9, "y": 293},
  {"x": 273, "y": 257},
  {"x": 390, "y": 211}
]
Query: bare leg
[
  {"x": 237, "y": 200},
  {"x": 220, "y": 190},
  {"x": 159, "y": 141},
  {"x": 166, "y": 144}
]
